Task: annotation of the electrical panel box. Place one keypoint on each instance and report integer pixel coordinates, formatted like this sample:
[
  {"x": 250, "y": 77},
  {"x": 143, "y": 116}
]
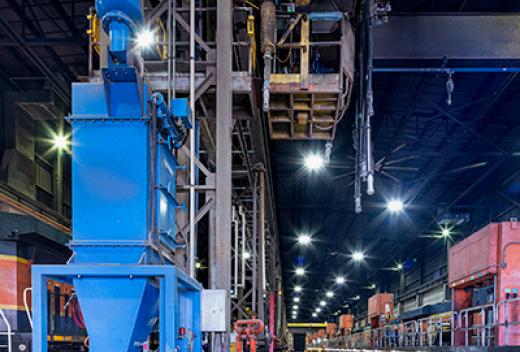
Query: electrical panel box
[{"x": 213, "y": 311}]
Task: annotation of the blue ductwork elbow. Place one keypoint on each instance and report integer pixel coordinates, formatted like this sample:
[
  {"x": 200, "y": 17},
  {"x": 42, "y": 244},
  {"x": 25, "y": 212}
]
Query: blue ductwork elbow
[{"x": 120, "y": 18}]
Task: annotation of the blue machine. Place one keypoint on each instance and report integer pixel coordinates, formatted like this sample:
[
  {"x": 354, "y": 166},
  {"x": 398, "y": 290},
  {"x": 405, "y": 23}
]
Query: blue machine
[{"x": 124, "y": 208}]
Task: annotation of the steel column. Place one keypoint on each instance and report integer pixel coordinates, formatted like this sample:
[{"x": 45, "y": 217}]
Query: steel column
[{"x": 221, "y": 273}]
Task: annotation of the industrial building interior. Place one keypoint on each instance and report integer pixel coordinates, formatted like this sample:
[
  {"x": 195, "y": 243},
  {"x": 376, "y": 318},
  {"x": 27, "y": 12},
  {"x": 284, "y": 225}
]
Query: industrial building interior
[{"x": 259, "y": 175}]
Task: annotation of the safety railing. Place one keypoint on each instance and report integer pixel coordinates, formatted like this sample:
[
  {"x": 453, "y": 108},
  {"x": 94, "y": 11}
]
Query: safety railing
[
  {"x": 426, "y": 332},
  {"x": 477, "y": 325},
  {"x": 507, "y": 322},
  {"x": 387, "y": 336},
  {"x": 8, "y": 333},
  {"x": 479, "y": 333}
]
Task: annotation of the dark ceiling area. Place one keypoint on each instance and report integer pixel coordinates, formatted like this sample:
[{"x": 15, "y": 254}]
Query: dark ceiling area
[
  {"x": 40, "y": 34},
  {"x": 459, "y": 160}
]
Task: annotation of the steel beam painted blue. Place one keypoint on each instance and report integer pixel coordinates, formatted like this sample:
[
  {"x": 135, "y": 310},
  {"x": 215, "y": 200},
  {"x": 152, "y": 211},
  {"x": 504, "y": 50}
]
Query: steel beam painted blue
[{"x": 174, "y": 286}]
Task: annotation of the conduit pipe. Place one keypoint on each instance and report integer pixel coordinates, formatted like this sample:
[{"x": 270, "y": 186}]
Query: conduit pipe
[
  {"x": 193, "y": 236},
  {"x": 254, "y": 254},
  {"x": 261, "y": 243},
  {"x": 369, "y": 108},
  {"x": 267, "y": 37},
  {"x": 236, "y": 252},
  {"x": 242, "y": 214}
]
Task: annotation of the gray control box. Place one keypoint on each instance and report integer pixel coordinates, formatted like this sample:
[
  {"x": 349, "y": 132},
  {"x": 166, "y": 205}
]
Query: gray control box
[{"x": 213, "y": 311}]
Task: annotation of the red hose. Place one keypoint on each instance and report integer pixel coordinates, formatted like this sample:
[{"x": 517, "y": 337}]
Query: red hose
[{"x": 77, "y": 315}]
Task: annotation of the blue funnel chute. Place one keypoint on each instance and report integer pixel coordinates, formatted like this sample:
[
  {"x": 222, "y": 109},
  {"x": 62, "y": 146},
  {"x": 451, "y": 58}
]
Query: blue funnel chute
[{"x": 119, "y": 313}]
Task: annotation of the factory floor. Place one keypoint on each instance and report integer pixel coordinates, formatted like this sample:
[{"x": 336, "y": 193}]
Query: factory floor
[{"x": 433, "y": 349}]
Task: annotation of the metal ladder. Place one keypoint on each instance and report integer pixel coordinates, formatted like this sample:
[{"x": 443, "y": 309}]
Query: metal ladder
[{"x": 9, "y": 334}]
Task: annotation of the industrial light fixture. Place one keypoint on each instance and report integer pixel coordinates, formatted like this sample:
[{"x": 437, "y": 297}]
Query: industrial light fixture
[
  {"x": 297, "y": 289},
  {"x": 358, "y": 256},
  {"x": 395, "y": 205},
  {"x": 300, "y": 271},
  {"x": 314, "y": 315},
  {"x": 323, "y": 303},
  {"x": 246, "y": 255},
  {"x": 198, "y": 265},
  {"x": 145, "y": 38},
  {"x": 340, "y": 280},
  {"x": 399, "y": 266},
  {"x": 60, "y": 142},
  {"x": 329, "y": 294},
  {"x": 318, "y": 310},
  {"x": 314, "y": 162},
  {"x": 304, "y": 239},
  {"x": 295, "y": 306},
  {"x": 296, "y": 299}
]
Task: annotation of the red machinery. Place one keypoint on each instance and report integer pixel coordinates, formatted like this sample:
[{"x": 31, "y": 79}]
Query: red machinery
[
  {"x": 330, "y": 330},
  {"x": 484, "y": 275},
  {"x": 380, "y": 308},
  {"x": 346, "y": 322},
  {"x": 248, "y": 332}
]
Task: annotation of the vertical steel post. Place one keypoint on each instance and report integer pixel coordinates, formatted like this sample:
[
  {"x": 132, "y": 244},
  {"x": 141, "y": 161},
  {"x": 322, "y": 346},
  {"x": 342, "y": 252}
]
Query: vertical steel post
[{"x": 224, "y": 116}]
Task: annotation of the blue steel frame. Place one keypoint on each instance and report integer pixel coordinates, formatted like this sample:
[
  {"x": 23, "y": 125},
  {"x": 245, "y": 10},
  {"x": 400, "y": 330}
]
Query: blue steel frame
[{"x": 170, "y": 281}]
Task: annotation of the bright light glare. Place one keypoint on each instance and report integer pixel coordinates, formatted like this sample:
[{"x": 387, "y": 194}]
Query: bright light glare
[
  {"x": 198, "y": 265},
  {"x": 318, "y": 310},
  {"x": 314, "y": 162},
  {"x": 295, "y": 306},
  {"x": 446, "y": 232},
  {"x": 300, "y": 271},
  {"x": 340, "y": 280},
  {"x": 304, "y": 240},
  {"x": 358, "y": 256},
  {"x": 60, "y": 142},
  {"x": 314, "y": 315},
  {"x": 246, "y": 255},
  {"x": 329, "y": 294},
  {"x": 297, "y": 289},
  {"x": 323, "y": 303},
  {"x": 395, "y": 206},
  {"x": 145, "y": 38},
  {"x": 399, "y": 266},
  {"x": 296, "y": 299}
]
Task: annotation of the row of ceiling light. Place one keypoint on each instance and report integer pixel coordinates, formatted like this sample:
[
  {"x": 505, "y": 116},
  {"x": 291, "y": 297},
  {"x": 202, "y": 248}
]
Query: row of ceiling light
[{"x": 315, "y": 162}]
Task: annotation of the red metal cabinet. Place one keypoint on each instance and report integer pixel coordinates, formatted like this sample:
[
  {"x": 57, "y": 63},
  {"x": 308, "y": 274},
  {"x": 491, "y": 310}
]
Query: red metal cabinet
[{"x": 491, "y": 254}]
